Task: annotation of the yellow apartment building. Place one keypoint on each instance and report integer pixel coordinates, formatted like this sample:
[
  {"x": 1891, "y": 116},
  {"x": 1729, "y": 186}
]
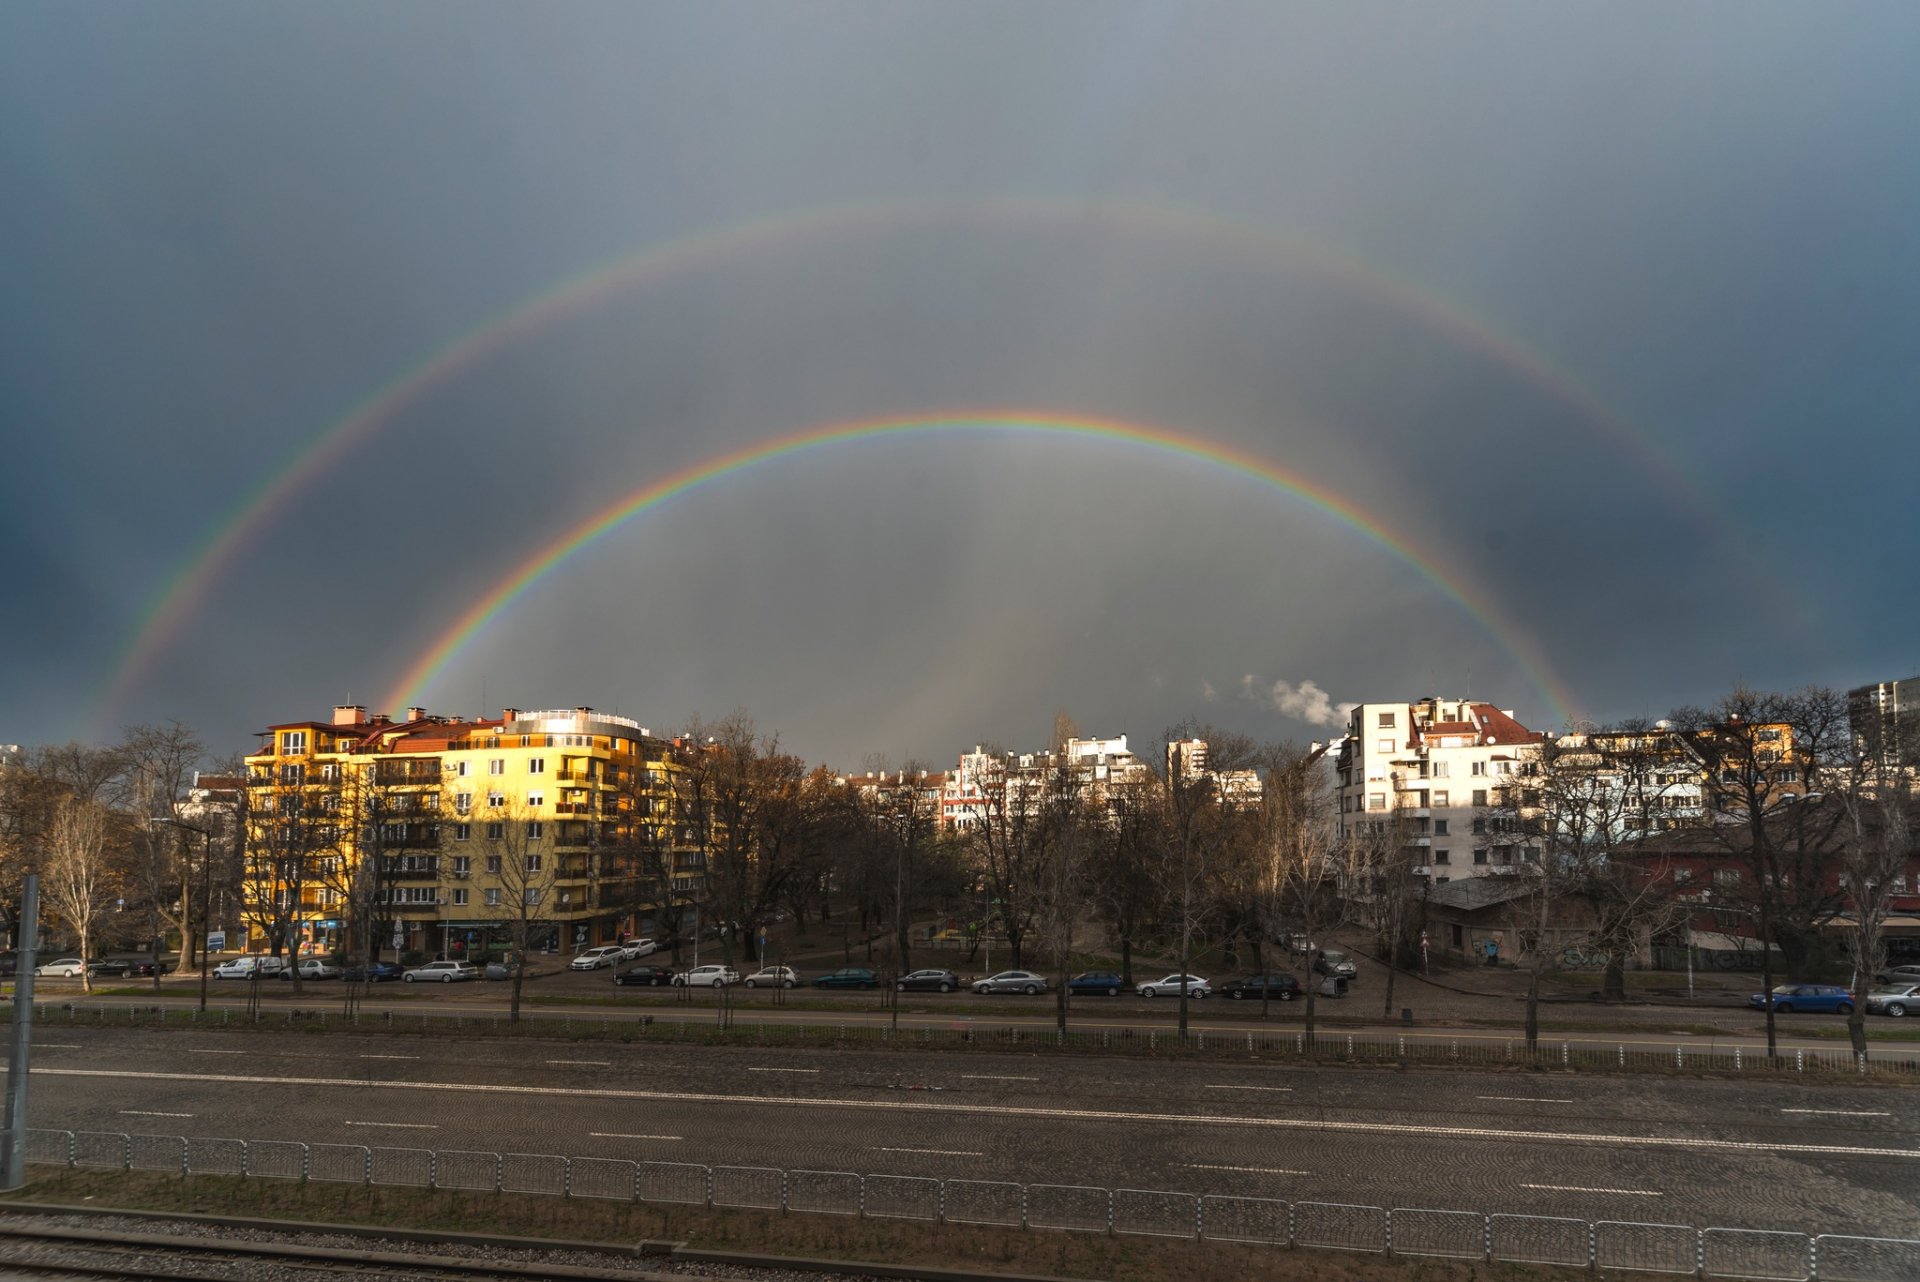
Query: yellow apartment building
[{"x": 427, "y": 832}]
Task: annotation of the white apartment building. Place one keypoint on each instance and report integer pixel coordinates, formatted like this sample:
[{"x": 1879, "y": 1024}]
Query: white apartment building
[
  {"x": 1433, "y": 766},
  {"x": 983, "y": 779}
]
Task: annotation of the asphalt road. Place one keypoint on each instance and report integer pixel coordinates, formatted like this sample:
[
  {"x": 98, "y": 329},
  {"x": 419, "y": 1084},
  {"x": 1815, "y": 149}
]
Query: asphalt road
[{"x": 1744, "y": 1154}]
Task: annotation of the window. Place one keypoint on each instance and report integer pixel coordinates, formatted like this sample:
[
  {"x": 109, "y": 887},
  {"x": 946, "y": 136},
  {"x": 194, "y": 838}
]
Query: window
[
  {"x": 536, "y": 799},
  {"x": 462, "y": 832},
  {"x": 460, "y": 898},
  {"x": 496, "y": 831},
  {"x": 493, "y": 864},
  {"x": 1459, "y": 940},
  {"x": 533, "y": 863},
  {"x": 460, "y": 769},
  {"x": 1479, "y": 796},
  {"x": 1443, "y": 856},
  {"x": 1386, "y": 745},
  {"x": 495, "y": 800},
  {"x": 533, "y": 895},
  {"x": 293, "y": 741},
  {"x": 1441, "y": 769},
  {"x": 1480, "y": 855},
  {"x": 463, "y": 801},
  {"x": 1726, "y": 878},
  {"x": 1376, "y": 801},
  {"x": 1439, "y": 827},
  {"x": 536, "y": 765},
  {"x": 1386, "y": 721},
  {"x": 1479, "y": 768},
  {"x": 1440, "y": 798},
  {"x": 1681, "y": 876},
  {"x": 292, "y": 776},
  {"x": 492, "y": 896},
  {"x": 462, "y": 865},
  {"x": 536, "y": 830},
  {"x": 497, "y": 766}
]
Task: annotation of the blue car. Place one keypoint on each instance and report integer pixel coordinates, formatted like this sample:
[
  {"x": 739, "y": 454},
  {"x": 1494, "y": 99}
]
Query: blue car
[
  {"x": 1806, "y": 997},
  {"x": 1099, "y": 983},
  {"x": 378, "y": 973}
]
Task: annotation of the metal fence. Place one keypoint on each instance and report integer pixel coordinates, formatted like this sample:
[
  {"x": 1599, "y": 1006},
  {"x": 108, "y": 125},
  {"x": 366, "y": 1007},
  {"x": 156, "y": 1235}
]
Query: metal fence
[
  {"x": 718, "y": 1025},
  {"x": 1764, "y": 1255}
]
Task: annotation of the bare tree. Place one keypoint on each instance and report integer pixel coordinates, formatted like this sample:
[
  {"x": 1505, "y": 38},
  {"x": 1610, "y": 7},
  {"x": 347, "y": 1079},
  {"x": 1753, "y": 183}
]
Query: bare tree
[
  {"x": 79, "y": 879},
  {"x": 1127, "y": 891},
  {"x": 1878, "y": 849},
  {"x": 523, "y": 872},
  {"x": 1301, "y": 832},
  {"x": 159, "y": 764},
  {"x": 1199, "y": 829}
]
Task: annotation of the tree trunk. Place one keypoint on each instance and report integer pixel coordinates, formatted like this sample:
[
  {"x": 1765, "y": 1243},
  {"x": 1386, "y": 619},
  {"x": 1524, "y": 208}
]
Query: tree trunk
[
  {"x": 1126, "y": 960},
  {"x": 1386, "y": 1009},
  {"x": 86, "y": 957},
  {"x": 1313, "y": 995},
  {"x": 1613, "y": 980}
]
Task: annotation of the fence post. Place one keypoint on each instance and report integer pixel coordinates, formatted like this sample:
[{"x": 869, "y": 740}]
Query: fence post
[
  {"x": 1109, "y": 1212},
  {"x": 1593, "y": 1246},
  {"x": 1623, "y": 1054},
  {"x": 126, "y": 1152},
  {"x": 709, "y": 1171},
  {"x": 186, "y": 1160},
  {"x": 1736, "y": 1059},
  {"x": 433, "y": 1168},
  {"x": 1293, "y": 1223},
  {"x": 1566, "y": 1053},
  {"x": 860, "y": 1205},
  {"x": 1800, "y": 1061},
  {"x": 783, "y": 1189},
  {"x": 1813, "y": 1258},
  {"x": 1486, "y": 1238},
  {"x": 500, "y": 1173},
  {"x": 1679, "y": 1056},
  {"x": 1023, "y": 1207},
  {"x": 1199, "y": 1219},
  {"x": 1700, "y": 1253},
  {"x": 367, "y": 1149},
  {"x": 73, "y": 1150},
  {"x": 566, "y": 1177},
  {"x": 1389, "y": 1229},
  {"x": 244, "y": 1172},
  {"x": 940, "y": 1204}
]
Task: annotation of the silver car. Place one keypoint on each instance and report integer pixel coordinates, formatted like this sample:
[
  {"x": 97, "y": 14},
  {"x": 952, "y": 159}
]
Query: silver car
[
  {"x": 1896, "y": 1001},
  {"x": 1012, "y": 981},
  {"x": 1172, "y": 984}
]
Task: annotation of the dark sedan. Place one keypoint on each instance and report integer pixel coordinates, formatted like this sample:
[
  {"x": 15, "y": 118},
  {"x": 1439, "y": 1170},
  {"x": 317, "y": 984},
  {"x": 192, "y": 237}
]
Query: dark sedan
[
  {"x": 848, "y": 977},
  {"x": 645, "y": 976},
  {"x": 378, "y": 973},
  {"x": 148, "y": 966},
  {"x": 928, "y": 981},
  {"x": 1279, "y": 988},
  {"x": 1096, "y": 983}
]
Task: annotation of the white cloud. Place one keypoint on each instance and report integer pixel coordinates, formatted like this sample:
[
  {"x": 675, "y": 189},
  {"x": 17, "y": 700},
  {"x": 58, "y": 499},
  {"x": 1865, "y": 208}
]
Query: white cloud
[
  {"x": 1207, "y": 691},
  {"x": 1304, "y": 702}
]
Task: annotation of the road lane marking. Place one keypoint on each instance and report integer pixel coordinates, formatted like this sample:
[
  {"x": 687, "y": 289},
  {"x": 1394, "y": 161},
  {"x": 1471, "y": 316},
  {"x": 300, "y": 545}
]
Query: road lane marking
[
  {"x": 55, "y": 1046},
  {"x": 1835, "y": 1112},
  {"x": 1256, "y": 1170},
  {"x": 141, "y": 1112},
  {"x": 1282, "y": 1090},
  {"x": 400, "y": 1126},
  {"x": 617, "y": 1135},
  {"x": 1575, "y": 1188},
  {"x": 195, "y": 1050},
  {"x": 995, "y": 1077},
  {"x": 1525, "y": 1099},
  {"x": 389, "y": 1057},
  {"x": 782, "y": 1070},
  {"x": 584, "y": 1063},
  {"x": 937, "y": 1152},
  {"x": 362, "y": 1085}
]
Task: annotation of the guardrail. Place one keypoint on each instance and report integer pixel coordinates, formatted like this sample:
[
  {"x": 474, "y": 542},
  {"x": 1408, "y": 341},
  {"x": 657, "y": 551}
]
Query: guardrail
[
  {"x": 1772, "y": 1255},
  {"x": 687, "y": 1021}
]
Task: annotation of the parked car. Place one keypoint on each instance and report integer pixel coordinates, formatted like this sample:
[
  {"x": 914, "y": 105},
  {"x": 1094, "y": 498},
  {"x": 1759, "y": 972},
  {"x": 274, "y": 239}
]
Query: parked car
[
  {"x": 445, "y": 972},
  {"x": 635, "y": 949},
  {"x": 847, "y": 977},
  {"x": 1805, "y": 997},
  {"x": 1896, "y": 1001},
  {"x": 645, "y": 977},
  {"x": 249, "y": 966},
  {"x": 1332, "y": 961},
  {"x": 1279, "y": 988},
  {"x": 773, "y": 977},
  {"x": 1897, "y": 975},
  {"x": 1098, "y": 983},
  {"x": 595, "y": 958},
  {"x": 114, "y": 966},
  {"x": 376, "y": 973},
  {"x": 928, "y": 981},
  {"x": 64, "y": 968},
  {"x": 1172, "y": 984},
  {"x": 148, "y": 967},
  {"x": 707, "y": 977},
  {"x": 314, "y": 968},
  {"x": 9, "y": 963},
  {"x": 1012, "y": 981}
]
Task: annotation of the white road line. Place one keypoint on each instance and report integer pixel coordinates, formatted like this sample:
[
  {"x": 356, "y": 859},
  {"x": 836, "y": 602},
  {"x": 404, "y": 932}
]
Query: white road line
[
  {"x": 55, "y": 1046},
  {"x": 937, "y": 1152},
  {"x": 389, "y": 1057},
  {"x": 362, "y": 1085},
  {"x": 400, "y": 1126},
  {"x": 1575, "y": 1188},
  {"x": 1525, "y": 1099},
  {"x": 617, "y": 1135},
  {"x": 1282, "y": 1090},
  {"x": 194, "y": 1050},
  {"x": 1835, "y": 1112},
  {"x": 141, "y": 1112},
  {"x": 584, "y": 1063},
  {"x": 783, "y": 1070},
  {"x": 995, "y": 1077},
  {"x": 1256, "y": 1170}
]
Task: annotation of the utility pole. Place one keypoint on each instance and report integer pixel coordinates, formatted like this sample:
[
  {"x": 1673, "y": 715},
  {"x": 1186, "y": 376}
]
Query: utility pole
[{"x": 15, "y": 1174}]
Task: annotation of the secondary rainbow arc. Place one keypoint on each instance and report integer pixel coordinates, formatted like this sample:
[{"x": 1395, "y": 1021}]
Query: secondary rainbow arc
[
  {"x": 175, "y": 599},
  {"x": 410, "y": 689}
]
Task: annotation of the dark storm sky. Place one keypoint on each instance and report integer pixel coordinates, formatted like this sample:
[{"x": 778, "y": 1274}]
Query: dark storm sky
[{"x": 1690, "y": 460}]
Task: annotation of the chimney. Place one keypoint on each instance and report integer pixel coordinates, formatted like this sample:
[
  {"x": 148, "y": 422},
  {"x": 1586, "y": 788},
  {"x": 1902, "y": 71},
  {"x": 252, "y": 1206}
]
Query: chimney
[
  {"x": 416, "y": 714},
  {"x": 509, "y": 714},
  {"x": 582, "y": 713},
  {"x": 348, "y": 714}
]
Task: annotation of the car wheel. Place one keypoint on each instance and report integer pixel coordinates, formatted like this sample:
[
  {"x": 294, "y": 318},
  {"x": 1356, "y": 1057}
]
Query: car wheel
[
  {"x": 1032, "y": 989},
  {"x": 1237, "y": 994},
  {"x": 946, "y": 987},
  {"x": 1846, "y": 1008},
  {"x": 749, "y": 983},
  {"x": 786, "y": 983},
  {"x": 446, "y": 979},
  {"x": 1148, "y": 992},
  {"x": 1783, "y": 1008},
  {"x": 408, "y": 978},
  {"x": 902, "y": 987},
  {"x": 1286, "y": 996},
  {"x": 1896, "y": 1010}
]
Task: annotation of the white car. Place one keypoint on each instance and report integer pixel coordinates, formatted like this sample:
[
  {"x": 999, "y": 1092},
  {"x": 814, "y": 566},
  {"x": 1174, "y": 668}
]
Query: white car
[
  {"x": 249, "y": 966},
  {"x": 314, "y": 968},
  {"x": 635, "y": 949},
  {"x": 707, "y": 977},
  {"x": 773, "y": 977},
  {"x": 447, "y": 972},
  {"x": 595, "y": 958},
  {"x": 65, "y": 968},
  {"x": 1170, "y": 986}
]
